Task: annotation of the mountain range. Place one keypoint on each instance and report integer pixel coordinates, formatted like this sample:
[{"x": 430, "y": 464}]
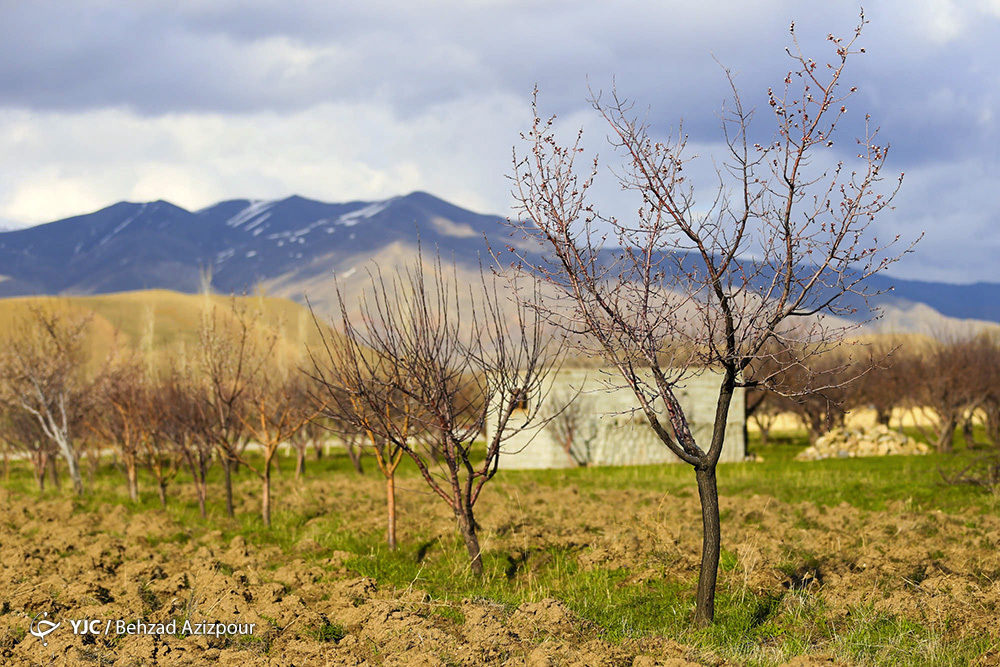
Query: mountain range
[{"x": 293, "y": 246}]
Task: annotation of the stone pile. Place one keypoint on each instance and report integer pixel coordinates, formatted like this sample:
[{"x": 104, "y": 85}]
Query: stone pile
[{"x": 853, "y": 442}]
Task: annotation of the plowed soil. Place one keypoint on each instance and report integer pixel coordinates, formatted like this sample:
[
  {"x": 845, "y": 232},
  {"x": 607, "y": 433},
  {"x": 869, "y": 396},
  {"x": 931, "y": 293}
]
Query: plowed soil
[{"x": 310, "y": 608}]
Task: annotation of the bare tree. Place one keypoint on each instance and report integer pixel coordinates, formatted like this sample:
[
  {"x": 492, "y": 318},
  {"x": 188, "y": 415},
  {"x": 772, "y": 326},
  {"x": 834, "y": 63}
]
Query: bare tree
[
  {"x": 991, "y": 390},
  {"x": 950, "y": 382},
  {"x": 161, "y": 455},
  {"x": 764, "y": 404},
  {"x": 419, "y": 364},
  {"x": 764, "y": 407},
  {"x": 818, "y": 385},
  {"x": 350, "y": 400},
  {"x": 886, "y": 386},
  {"x": 572, "y": 424},
  {"x": 234, "y": 349},
  {"x": 119, "y": 418},
  {"x": 21, "y": 432},
  {"x": 188, "y": 425},
  {"x": 42, "y": 368},
  {"x": 272, "y": 417},
  {"x": 778, "y": 244}
]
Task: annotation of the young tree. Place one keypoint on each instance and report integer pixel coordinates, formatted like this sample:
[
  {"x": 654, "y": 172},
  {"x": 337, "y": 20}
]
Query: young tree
[
  {"x": 118, "y": 417},
  {"x": 950, "y": 381},
  {"x": 779, "y": 244},
  {"x": 272, "y": 417},
  {"x": 991, "y": 397},
  {"x": 886, "y": 386},
  {"x": 572, "y": 424},
  {"x": 187, "y": 424},
  {"x": 818, "y": 384},
  {"x": 417, "y": 363},
  {"x": 42, "y": 369},
  {"x": 764, "y": 406},
  {"x": 351, "y": 414},
  {"x": 161, "y": 455},
  {"x": 234, "y": 349},
  {"x": 21, "y": 432}
]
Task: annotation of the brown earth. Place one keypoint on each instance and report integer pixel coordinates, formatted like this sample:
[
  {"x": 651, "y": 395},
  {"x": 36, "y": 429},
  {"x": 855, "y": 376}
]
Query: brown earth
[{"x": 942, "y": 571}]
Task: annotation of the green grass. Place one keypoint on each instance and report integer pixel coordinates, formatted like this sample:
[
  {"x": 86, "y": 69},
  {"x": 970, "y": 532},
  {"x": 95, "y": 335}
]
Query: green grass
[
  {"x": 751, "y": 628},
  {"x": 868, "y": 483}
]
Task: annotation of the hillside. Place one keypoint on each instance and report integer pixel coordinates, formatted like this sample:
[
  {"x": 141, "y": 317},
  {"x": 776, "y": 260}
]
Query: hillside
[
  {"x": 165, "y": 322},
  {"x": 293, "y": 247}
]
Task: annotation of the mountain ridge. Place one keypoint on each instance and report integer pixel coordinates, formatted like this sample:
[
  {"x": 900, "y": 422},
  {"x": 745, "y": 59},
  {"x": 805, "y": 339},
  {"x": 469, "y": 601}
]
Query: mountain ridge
[{"x": 296, "y": 244}]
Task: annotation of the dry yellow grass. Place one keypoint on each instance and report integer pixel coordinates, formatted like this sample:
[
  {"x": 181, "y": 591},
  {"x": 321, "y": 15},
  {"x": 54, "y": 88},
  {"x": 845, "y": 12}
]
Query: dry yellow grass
[{"x": 162, "y": 323}]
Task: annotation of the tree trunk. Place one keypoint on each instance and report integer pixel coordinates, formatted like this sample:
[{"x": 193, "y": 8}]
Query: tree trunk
[
  {"x": 72, "y": 464},
  {"x": 54, "y": 471},
  {"x": 969, "y": 436},
  {"x": 93, "y": 463},
  {"x": 39, "y": 463},
  {"x": 202, "y": 498},
  {"x": 711, "y": 544},
  {"x": 354, "y": 454},
  {"x": 197, "y": 464},
  {"x": 133, "y": 481},
  {"x": 467, "y": 526},
  {"x": 162, "y": 490},
  {"x": 765, "y": 434},
  {"x": 300, "y": 462},
  {"x": 266, "y": 501},
  {"x": 944, "y": 443},
  {"x": 228, "y": 477},
  {"x": 390, "y": 492},
  {"x": 992, "y": 410}
]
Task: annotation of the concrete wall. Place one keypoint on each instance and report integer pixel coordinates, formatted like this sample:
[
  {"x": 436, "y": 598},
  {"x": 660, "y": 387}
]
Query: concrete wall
[{"x": 611, "y": 434}]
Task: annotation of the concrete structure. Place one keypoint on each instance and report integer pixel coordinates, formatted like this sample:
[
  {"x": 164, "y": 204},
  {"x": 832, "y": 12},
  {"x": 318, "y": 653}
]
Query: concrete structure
[{"x": 609, "y": 432}]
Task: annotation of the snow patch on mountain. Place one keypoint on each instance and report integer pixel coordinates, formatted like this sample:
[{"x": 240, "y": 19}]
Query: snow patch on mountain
[
  {"x": 123, "y": 225},
  {"x": 354, "y": 217},
  {"x": 254, "y": 209}
]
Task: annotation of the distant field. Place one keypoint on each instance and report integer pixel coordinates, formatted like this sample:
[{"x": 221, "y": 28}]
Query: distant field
[{"x": 166, "y": 322}]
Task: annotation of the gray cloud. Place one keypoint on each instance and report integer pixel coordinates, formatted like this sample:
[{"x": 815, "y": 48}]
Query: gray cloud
[{"x": 208, "y": 99}]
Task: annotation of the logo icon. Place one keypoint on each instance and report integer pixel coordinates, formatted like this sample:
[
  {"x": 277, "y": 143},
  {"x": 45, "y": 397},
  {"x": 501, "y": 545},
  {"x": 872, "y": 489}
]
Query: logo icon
[{"x": 42, "y": 628}]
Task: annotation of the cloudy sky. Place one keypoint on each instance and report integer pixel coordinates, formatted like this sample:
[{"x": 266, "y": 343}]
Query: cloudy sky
[{"x": 197, "y": 101}]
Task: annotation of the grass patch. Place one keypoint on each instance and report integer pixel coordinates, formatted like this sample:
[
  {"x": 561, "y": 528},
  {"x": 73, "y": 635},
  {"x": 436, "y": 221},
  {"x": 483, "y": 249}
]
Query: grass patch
[{"x": 327, "y": 632}]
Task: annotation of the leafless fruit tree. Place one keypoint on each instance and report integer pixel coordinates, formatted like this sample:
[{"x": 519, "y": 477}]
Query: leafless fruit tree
[
  {"x": 426, "y": 373},
  {"x": 188, "y": 424},
  {"x": 43, "y": 371},
  {"x": 764, "y": 407},
  {"x": 120, "y": 416},
  {"x": 949, "y": 383},
  {"x": 161, "y": 454},
  {"x": 21, "y": 433},
  {"x": 132, "y": 411},
  {"x": 273, "y": 417},
  {"x": 234, "y": 350},
  {"x": 778, "y": 244},
  {"x": 991, "y": 391},
  {"x": 349, "y": 413},
  {"x": 572, "y": 424},
  {"x": 818, "y": 386},
  {"x": 885, "y": 387},
  {"x": 312, "y": 433}
]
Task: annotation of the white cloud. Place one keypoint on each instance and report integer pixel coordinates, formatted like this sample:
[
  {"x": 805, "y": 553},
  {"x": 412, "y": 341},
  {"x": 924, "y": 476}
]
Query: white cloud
[{"x": 57, "y": 164}]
